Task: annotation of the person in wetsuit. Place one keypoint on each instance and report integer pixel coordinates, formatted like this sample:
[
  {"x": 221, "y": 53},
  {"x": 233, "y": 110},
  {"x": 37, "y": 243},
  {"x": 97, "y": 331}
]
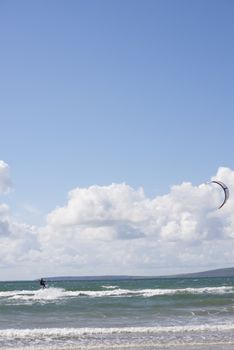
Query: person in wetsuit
[{"x": 42, "y": 283}]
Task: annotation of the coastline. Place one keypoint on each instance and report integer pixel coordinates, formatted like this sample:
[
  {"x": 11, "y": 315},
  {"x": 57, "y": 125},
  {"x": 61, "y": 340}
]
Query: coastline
[{"x": 209, "y": 346}]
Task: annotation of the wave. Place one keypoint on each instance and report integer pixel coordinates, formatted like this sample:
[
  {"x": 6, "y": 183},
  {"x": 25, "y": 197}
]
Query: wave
[
  {"x": 69, "y": 332},
  {"x": 110, "y": 287},
  {"x": 76, "y": 332},
  {"x": 60, "y": 293},
  {"x": 122, "y": 337}
]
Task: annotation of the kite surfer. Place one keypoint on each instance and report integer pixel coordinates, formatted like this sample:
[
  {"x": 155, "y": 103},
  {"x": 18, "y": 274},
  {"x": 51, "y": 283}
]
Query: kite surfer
[{"x": 42, "y": 283}]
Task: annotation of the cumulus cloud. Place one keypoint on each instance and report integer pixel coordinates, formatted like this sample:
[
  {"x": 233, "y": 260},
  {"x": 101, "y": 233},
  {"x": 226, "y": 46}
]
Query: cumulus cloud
[
  {"x": 118, "y": 229},
  {"x": 187, "y": 213},
  {"x": 17, "y": 240},
  {"x": 5, "y": 181}
]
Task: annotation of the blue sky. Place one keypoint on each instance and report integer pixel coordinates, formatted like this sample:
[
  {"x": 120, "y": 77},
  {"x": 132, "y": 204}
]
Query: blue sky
[{"x": 102, "y": 92}]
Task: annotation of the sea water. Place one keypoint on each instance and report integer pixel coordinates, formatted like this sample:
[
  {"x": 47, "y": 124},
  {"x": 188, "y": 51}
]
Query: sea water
[{"x": 155, "y": 313}]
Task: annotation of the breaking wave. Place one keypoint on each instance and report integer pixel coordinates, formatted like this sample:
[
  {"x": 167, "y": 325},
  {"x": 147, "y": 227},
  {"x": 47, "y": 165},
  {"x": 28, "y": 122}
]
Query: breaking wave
[
  {"x": 125, "y": 337},
  {"x": 69, "y": 332},
  {"x": 51, "y": 294}
]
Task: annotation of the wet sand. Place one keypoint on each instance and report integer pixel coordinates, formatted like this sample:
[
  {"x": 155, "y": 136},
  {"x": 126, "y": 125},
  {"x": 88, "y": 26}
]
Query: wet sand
[{"x": 210, "y": 346}]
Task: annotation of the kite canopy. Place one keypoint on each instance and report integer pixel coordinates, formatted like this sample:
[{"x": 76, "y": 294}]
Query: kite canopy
[{"x": 225, "y": 189}]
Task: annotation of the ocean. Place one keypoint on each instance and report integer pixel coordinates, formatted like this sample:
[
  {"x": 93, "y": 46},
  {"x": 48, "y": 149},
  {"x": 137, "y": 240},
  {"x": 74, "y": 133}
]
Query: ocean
[{"x": 160, "y": 313}]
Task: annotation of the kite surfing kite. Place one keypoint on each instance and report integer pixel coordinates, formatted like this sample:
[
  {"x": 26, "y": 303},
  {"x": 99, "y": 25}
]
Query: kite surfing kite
[{"x": 225, "y": 189}]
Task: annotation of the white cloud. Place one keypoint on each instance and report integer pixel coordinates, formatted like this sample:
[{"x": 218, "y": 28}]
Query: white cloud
[
  {"x": 99, "y": 205},
  {"x": 117, "y": 229},
  {"x": 5, "y": 182},
  {"x": 17, "y": 240},
  {"x": 188, "y": 213}
]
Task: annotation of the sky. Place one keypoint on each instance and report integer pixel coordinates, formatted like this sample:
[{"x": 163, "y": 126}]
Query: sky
[{"x": 114, "y": 117}]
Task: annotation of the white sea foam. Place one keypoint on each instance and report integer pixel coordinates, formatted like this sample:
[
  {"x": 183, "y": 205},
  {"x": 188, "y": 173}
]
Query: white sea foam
[
  {"x": 110, "y": 338},
  {"x": 47, "y": 294},
  {"x": 51, "y": 294},
  {"x": 110, "y": 287},
  {"x": 76, "y": 332}
]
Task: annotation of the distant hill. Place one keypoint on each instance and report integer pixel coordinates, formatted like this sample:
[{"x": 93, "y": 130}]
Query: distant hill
[{"x": 227, "y": 272}]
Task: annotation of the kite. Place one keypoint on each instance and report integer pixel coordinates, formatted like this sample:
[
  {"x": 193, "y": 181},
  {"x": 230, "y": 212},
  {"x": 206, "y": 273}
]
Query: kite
[{"x": 225, "y": 189}]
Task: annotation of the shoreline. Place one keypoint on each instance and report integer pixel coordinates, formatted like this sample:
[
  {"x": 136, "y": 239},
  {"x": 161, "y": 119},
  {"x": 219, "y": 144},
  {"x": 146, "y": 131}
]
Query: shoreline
[{"x": 199, "y": 346}]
